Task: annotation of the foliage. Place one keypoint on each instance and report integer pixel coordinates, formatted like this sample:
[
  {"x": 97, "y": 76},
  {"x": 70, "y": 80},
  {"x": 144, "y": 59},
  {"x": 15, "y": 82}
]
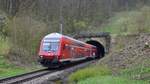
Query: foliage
[
  {"x": 94, "y": 12},
  {"x": 130, "y": 22},
  {"x": 89, "y": 72},
  {"x": 75, "y": 26},
  {"x": 4, "y": 46},
  {"x": 110, "y": 80},
  {"x": 3, "y": 24},
  {"x": 25, "y": 34}
]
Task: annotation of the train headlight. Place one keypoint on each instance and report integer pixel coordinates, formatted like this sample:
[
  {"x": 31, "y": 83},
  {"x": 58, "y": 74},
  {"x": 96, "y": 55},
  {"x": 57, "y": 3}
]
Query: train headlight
[
  {"x": 93, "y": 54},
  {"x": 41, "y": 56}
]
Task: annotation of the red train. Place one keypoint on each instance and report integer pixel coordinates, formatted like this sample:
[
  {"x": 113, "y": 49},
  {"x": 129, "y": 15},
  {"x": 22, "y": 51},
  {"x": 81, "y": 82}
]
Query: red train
[{"x": 56, "y": 48}]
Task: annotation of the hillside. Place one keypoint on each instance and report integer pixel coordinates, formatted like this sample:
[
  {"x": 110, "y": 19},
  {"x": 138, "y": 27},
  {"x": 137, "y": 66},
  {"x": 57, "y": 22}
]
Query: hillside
[
  {"x": 134, "y": 53},
  {"x": 130, "y": 64},
  {"x": 129, "y": 22},
  {"x": 129, "y": 59}
]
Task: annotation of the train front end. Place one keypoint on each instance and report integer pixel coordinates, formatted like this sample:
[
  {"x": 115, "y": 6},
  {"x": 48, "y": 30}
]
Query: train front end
[{"x": 49, "y": 52}]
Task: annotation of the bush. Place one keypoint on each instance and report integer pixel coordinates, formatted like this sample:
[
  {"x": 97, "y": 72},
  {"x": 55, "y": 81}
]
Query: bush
[
  {"x": 89, "y": 72},
  {"x": 25, "y": 34},
  {"x": 3, "y": 24},
  {"x": 4, "y": 46}
]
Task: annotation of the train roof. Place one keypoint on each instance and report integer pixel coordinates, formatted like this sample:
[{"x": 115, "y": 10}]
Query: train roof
[
  {"x": 53, "y": 35},
  {"x": 57, "y": 35},
  {"x": 78, "y": 41}
]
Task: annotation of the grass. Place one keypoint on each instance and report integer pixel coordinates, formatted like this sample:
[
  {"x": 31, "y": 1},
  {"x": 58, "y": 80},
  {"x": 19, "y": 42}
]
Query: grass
[
  {"x": 7, "y": 69},
  {"x": 89, "y": 72},
  {"x": 11, "y": 72},
  {"x": 102, "y": 75},
  {"x": 110, "y": 80},
  {"x": 136, "y": 73}
]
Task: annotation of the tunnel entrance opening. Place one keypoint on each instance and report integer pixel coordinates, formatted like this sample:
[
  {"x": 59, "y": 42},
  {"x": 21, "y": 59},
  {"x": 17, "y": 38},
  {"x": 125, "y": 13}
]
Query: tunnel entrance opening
[{"x": 100, "y": 48}]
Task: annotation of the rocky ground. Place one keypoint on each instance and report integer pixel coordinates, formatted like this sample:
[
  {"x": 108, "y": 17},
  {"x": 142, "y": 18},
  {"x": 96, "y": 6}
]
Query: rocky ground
[{"x": 136, "y": 52}]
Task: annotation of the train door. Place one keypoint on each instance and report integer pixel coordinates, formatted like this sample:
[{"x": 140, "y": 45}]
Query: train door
[{"x": 66, "y": 51}]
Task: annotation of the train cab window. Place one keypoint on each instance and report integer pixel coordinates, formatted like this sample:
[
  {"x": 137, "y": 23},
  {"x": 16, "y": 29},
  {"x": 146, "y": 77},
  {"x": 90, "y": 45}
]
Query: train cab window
[{"x": 50, "y": 46}]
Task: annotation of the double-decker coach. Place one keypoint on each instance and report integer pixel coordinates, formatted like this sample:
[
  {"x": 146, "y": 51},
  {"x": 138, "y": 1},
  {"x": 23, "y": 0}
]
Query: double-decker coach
[{"x": 56, "y": 49}]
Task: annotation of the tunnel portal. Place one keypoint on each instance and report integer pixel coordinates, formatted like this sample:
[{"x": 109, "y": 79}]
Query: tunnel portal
[{"x": 99, "y": 46}]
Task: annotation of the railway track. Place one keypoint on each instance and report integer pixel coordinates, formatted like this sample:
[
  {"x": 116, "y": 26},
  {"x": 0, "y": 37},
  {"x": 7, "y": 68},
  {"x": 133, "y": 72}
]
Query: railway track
[
  {"x": 25, "y": 77},
  {"x": 19, "y": 79}
]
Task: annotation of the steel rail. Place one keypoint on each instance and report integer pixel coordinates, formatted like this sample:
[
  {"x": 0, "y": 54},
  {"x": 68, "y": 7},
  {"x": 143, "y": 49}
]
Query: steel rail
[
  {"x": 35, "y": 74},
  {"x": 24, "y": 77}
]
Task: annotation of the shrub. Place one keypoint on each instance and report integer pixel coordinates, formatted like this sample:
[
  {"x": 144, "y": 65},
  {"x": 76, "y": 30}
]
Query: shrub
[
  {"x": 4, "y": 46},
  {"x": 25, "y": 34}
]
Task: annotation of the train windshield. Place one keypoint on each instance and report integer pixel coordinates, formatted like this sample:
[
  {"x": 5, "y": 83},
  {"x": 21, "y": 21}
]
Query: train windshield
[{"x": 51, "y": 45}]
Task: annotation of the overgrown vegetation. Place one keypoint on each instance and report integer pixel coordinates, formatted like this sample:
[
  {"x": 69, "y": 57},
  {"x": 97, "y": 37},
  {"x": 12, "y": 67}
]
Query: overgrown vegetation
[
  {"x": 102, "y": 75},
  {"x": 110, "y": 80},
  {"x": 29, "y": 20},
  {"x": 138, "y": 73},
  {"x": 129, "y": 22},
  {"x": 131, "y": 64},
  {"x": 7, "y": 69},
  {"x": 14, "y": 58},
  {"x": 90, "y": 72},
  {"x": 25, "y": 34},
  {"x": 4, "y": 46}
]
